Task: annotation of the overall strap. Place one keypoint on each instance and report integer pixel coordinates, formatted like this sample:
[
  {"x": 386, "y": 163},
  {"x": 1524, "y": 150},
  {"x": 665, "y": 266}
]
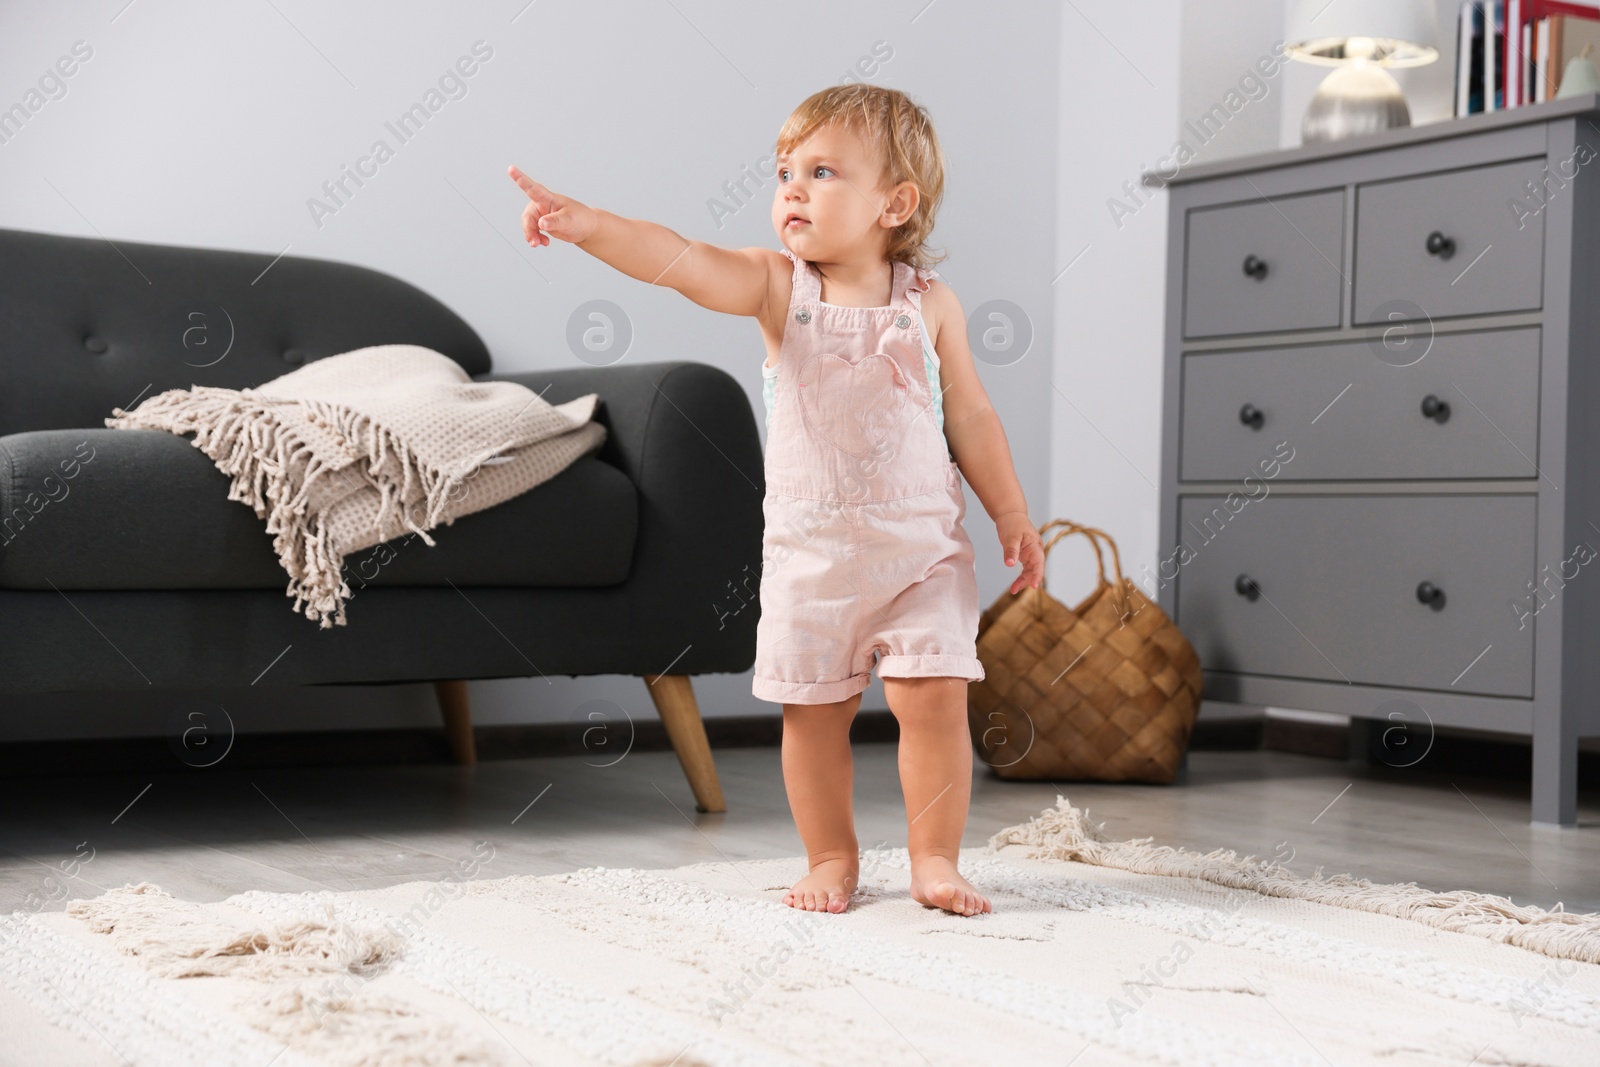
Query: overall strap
[
  {"x": 920, "y": 281},
  {"x": 912, "y": 282},
  {"x": 807, "y": 285}
]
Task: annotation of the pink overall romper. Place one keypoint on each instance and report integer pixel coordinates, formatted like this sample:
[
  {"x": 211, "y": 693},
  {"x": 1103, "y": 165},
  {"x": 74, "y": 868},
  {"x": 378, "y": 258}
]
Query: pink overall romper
[{"x": 863, "y": 551}]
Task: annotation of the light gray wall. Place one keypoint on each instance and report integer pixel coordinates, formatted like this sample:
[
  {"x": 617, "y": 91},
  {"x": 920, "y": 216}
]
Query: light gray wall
[
  {"x": 1119, "y": 114},
  {"x": 213, "y": 125},
  {"x": 1217, "y": 52}
]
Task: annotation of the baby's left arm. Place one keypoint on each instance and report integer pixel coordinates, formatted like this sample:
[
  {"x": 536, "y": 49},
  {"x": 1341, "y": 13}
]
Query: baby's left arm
[{"x": 977, "y": 440}]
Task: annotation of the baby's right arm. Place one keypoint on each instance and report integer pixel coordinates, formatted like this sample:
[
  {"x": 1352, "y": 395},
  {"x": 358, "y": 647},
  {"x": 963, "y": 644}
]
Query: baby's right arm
[{"x": 734, "y": 281}]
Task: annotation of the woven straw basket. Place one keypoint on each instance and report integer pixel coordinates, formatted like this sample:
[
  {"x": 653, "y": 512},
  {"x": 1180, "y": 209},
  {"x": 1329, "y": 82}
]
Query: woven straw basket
[{"x": 1107, "y": 690}]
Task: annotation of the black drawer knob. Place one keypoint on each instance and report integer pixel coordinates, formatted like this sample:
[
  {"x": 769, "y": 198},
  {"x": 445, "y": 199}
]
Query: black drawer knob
[
  {"x": 1255, "y": 266},
  {"x": 1435, "y": 409},
  {"x": 1252, "y": 416},
  {"x": 1431, "y": 595},
  {"x": 1246, "y": 587},
  {"x": 1440, "y": 245}
]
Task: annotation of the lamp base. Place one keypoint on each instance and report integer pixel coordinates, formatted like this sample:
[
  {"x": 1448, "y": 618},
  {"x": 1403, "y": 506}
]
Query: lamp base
[{"x": 1352, "y": 101}]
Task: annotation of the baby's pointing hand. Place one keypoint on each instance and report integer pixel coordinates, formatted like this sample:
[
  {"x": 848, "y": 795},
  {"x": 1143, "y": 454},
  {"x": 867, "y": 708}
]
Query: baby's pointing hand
[
  {"x": 1020, "y": 539},
  {"x": 549, "y": 214}
]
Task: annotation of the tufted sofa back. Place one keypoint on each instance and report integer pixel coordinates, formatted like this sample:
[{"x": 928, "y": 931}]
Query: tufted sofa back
[{"x": 86, "y": 326}]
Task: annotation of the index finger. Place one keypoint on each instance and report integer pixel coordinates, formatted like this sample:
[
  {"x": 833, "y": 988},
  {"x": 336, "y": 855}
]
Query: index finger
[{"x": 527, "y": 184}]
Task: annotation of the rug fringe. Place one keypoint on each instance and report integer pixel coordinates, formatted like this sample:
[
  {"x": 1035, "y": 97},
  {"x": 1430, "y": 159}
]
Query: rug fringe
[
  {"x": 355, "y": 1029},
  {"x": 1067, "y": 833},
  {"x": 320, "y": 966},
  {"x": 177, "y": 939}
]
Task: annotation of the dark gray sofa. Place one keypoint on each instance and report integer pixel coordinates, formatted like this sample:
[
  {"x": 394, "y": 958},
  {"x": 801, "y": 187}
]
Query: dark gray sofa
[{"x": 123, "y": 564}]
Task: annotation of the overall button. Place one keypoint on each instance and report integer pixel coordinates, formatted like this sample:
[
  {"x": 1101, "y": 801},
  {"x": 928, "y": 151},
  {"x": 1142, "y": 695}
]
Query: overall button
[
  {"x": 95, "y": 345},
  {"x": 903, "y": 321},
  {"x": 803, "y": 316}
]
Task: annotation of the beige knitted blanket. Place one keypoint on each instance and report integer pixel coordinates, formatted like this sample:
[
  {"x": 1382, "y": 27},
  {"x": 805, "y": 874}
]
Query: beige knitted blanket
[{"x": 351, "y": 450}]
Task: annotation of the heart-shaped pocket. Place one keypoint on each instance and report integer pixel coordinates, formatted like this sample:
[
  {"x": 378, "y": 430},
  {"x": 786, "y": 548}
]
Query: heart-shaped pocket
[{"x": 853, "y": 406}]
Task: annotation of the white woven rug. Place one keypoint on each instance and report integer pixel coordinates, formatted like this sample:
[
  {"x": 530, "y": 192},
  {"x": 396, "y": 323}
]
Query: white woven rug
[{"x": 1087, "y": 963}]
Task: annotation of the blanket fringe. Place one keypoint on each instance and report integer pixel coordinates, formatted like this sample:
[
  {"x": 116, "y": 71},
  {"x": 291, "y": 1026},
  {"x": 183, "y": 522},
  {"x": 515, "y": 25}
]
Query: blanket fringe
[
  {"x": 1066, "y": 833},
  {"x": 238, "y": 430}
]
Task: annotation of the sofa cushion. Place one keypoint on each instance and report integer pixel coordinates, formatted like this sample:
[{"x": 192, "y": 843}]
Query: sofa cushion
[{"x": 143, "y": 509}]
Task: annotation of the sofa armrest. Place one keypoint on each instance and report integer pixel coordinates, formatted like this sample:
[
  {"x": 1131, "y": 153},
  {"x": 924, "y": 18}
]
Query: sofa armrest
[{"x": 685, "y": 434}]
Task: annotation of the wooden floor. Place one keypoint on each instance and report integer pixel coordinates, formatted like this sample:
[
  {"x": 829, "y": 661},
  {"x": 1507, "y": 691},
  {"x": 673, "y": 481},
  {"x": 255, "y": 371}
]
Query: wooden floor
[{"x": 206, "y": 834}]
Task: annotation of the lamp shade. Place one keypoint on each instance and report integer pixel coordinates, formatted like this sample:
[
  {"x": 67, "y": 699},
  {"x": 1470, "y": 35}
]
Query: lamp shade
[{"x": 1387, "y": 33}]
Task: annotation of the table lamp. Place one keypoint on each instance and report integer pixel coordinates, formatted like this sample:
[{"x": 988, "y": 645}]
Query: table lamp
[{"x": 1359, "y": 38}]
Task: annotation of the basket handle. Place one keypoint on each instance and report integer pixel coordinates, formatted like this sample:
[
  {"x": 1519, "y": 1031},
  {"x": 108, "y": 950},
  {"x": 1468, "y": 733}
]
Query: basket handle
[{"x": 1093, "y": 534}]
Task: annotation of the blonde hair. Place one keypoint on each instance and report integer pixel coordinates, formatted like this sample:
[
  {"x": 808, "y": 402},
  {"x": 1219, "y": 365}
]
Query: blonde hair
[{"x": 901, "y": 133}]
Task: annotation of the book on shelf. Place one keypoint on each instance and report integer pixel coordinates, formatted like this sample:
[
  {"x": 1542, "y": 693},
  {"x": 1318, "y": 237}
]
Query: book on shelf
[
  {"x": 1514, "y": 54},
  {"x": 1470, "y": 58},
  {"x": 1493, "y": 53}
]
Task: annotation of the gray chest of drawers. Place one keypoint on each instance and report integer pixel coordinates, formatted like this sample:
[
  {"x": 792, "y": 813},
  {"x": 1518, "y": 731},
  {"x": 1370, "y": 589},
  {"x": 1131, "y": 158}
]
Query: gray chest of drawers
[{"x": 1380, "y": 489}]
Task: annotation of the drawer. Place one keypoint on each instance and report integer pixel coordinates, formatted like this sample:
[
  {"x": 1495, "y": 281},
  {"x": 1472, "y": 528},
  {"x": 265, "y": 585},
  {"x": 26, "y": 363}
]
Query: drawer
[
  {"x": 1346, "y": 412},
  {"x": 1336, "y": 589},
  {"x": 1496, "y": 258},
  {"x": 1297, "y": 241}
]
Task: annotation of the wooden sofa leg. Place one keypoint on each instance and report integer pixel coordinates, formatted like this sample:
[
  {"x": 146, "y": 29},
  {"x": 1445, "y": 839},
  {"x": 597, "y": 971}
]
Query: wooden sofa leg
[
  {"x": 456, "y": 707},
  {"x": 674, "y": 699}
]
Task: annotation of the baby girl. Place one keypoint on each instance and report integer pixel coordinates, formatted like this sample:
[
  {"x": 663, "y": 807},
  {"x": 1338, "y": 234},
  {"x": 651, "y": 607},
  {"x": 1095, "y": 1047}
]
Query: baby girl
[{"x": 874, "y": 413}]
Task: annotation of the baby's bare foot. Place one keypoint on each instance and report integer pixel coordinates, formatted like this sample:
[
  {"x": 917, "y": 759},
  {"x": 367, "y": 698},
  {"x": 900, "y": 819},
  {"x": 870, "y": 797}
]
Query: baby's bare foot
[
  {"x": 826, "y": 888},
  {"x": 935, "y": 883}
]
